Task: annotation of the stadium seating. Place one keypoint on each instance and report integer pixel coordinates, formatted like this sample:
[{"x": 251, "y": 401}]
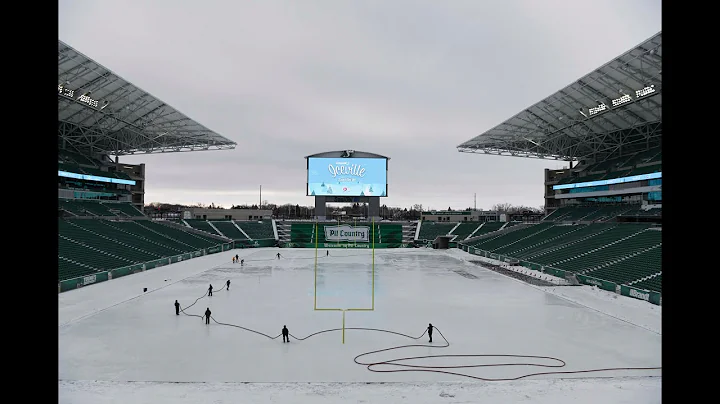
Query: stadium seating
[
  {"x": 257, "y": 230},
  {"x": 602, "y": 255},
  {"x": 89, "y": 245},
  {"x": 229, "y": 230},
  {"x": 600, "y": 213},
  {"x": 605, "y": 213},
  {"x": 430, "y": 230},
  {"x": 578, "y": 233},
  {"x": 639, "y": 212},
  {"x": 534, "y": 240},
  {"x": 91, "y": 208},
  {"x": 569, "y": 251},
  {"x": 633, "y": 266},
  {"x": 654, "y": 284},
  {"x": 203, "y": 225},
  {"x": 464, "y": 230},
  {"x": 488, "y": 227},
  {"x": 72, "y": 157},
  {"x": 623, "y": 253},
  {"x": 506, "y": 239},
  {"x": 197, "y": 241}
]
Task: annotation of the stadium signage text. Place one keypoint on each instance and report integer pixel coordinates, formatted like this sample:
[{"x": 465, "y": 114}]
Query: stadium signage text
[
  {"x": 89, "y": 279},
  {"x": 347, "y": 233},
  {"x": 622, "y": 100},
  {"x": 66, "y": 92},
  {"x": 356, "y": 170},
  {"x": 639, "y": 295}
]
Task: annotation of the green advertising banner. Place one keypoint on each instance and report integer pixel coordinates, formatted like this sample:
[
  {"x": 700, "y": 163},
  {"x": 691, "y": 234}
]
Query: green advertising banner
[
  {"x": 213, "y": 250},
  {"x": 348, "y": 245},
  {"x": 157, "y": 263},
  {"x": 83, "y": 281},
  {"x": 356, "y": 233},
  {"x": 124, "y": 271},
  {"x": 269, "y": 242},
  {"x": 642, "y": 294},
  {"x": 558, "y": 272},
  {"x": 588, "y": 280}
]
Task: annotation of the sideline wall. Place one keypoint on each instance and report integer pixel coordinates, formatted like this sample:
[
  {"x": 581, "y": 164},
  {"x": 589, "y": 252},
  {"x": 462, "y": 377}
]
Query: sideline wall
[
  {"x": 624, "y": 290},
  {"x": 82, "y": 281}
]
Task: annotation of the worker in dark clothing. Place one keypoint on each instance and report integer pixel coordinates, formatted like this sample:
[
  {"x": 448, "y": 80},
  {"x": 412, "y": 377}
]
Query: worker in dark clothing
[
  {"x": 210, "y": 290},
  {"x": 285, "y": 334},
  {"x": 207, "y": 316},
  {"x": 327, "y": 253},
  {"x": 430, "y": 330},
  {"x": 228, "y": 284},
  {"x": 177, "y": 308},
  {"x": 278, "y": 255},
  {"x": 236, "y": 257},
  {"x": 242, "y": 262}
]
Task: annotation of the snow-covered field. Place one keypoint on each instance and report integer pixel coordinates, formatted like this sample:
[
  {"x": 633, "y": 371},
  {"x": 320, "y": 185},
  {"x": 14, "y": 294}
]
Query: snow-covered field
[{"x": 120, "y": 345}]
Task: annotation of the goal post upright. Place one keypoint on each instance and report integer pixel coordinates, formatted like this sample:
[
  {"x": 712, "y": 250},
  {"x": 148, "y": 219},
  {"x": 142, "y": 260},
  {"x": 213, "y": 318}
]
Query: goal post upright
[
  {"x": 316, "y": 266},
  {"x": 345, "y": 310},
  {"x": 373, "y": 263}
]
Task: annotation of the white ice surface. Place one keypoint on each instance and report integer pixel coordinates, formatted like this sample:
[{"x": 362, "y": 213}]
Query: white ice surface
[{"x": 117, "y": 344}]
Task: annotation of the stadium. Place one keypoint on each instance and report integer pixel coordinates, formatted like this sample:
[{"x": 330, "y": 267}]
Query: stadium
[{"x": 572, "y": 297}]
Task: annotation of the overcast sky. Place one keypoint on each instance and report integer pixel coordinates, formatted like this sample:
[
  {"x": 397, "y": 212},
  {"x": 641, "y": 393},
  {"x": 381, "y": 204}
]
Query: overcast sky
[{"x": 408, "y": 79}]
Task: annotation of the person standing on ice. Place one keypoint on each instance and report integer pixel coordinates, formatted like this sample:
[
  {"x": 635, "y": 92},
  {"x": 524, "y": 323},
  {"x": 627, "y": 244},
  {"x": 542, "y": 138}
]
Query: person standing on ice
[
  {"x": 285, "y": 334},
  {"x": 210, "y": 290},
  {"x": 177, "y": 308},
  {"x": 242, "y": 262},
  {"x": 233, "y": 260},
  {"x": 237, "y": 258},
  {"x": 207, "y": 316},
  {"x": 327, "y": 253},
  {"x": 429, "y": 331},
  {"x": 278, "y": 255},
  {"x": 228, "y": 284}
]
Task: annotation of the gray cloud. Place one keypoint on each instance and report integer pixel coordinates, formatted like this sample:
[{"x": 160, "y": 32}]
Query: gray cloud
[{"x": 406, "y": 79}]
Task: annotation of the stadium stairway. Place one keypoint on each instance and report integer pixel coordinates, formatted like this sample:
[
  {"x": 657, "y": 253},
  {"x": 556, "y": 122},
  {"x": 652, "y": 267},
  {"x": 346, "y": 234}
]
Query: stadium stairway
[
  {"x": 603, "y": 253},
  {"x": 257, "y": 230},
  {"x": 430, "y": 230},
  {"x": 551, "y": 235},
  {"x": 653, "y": 282},
  {"x": 632, "y": 268},
  {"x": 592, "y": 250},
  {"x": 137, "y": 230},
  {"x": 229, "y": 229},
  {"x": 196, "y": 238},
  {"x": 464, "y": 229},
  {"x": 580, "y": 233},
  {"x": 202, "y": 225},
  {"x": 507, "y": 235}
]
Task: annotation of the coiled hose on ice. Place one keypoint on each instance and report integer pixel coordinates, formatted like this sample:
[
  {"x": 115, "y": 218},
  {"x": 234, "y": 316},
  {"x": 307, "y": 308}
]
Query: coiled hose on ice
[{"x": 549, "y": 361}]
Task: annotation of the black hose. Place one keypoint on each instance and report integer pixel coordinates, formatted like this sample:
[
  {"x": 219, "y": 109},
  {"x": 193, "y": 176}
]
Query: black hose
[{"x": 373, "y": 366}]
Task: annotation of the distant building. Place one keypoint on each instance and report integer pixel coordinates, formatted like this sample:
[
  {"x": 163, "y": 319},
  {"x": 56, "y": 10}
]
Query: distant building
[
  {"x": 227, "y": 214},
  {"x": 460, "y": 216}
]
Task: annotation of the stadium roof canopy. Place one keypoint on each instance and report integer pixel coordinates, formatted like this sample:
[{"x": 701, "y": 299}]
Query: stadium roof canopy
[
  {"x": 100, "y": 112},
  {"x": 614, "y": 110}
]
